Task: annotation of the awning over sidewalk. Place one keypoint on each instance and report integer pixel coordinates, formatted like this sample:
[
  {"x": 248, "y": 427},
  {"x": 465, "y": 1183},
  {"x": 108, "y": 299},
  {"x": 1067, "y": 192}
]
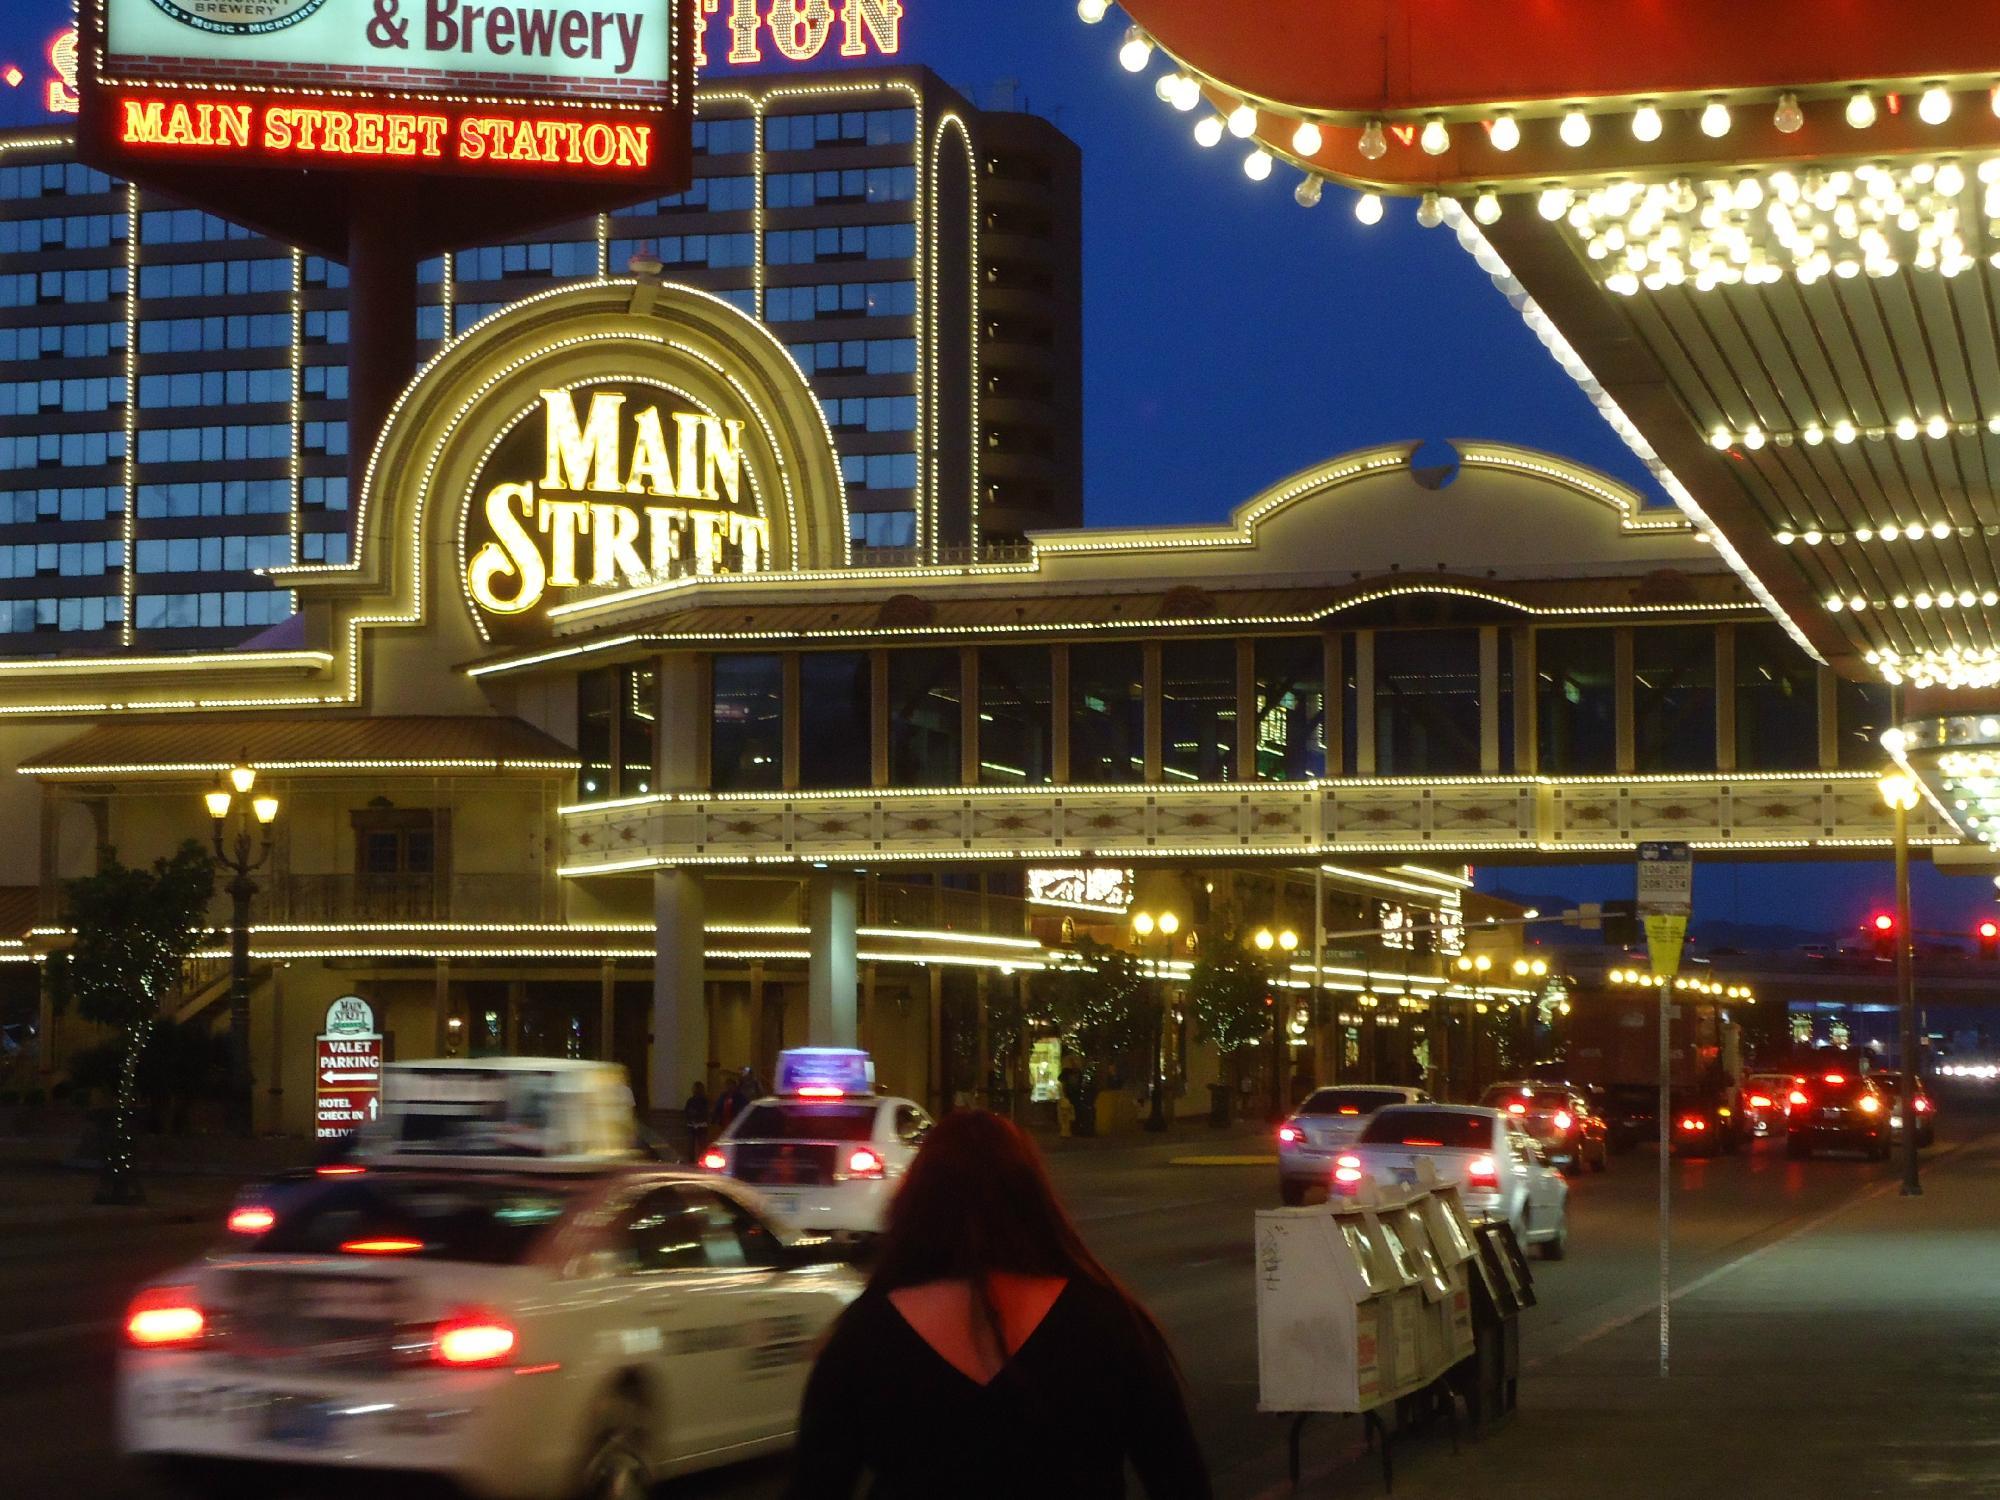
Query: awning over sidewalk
[{"x": 213, "y": 743}]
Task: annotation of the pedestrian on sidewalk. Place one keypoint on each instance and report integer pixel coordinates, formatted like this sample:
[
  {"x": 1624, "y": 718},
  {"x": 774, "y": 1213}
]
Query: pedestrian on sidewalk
[
  {"x": 729, "y": 1103},
  {"x": 694, "y": 1115},
  {"x": 1016, "y": 1365}
]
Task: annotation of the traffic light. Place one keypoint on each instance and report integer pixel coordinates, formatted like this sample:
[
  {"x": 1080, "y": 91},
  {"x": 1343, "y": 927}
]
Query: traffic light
[
  {"x": 1882, "y": 927},
  {"x": 1988, "y": 933}
]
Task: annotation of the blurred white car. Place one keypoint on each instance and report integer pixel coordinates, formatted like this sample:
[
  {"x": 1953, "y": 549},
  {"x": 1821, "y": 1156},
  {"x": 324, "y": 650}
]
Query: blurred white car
[
  {"x": 527, "y": 1334},
  {"x": 1325, "y": 1124},
  {"x": 1502, "y": 1174},
  {"x": 828, "y": 1165}
]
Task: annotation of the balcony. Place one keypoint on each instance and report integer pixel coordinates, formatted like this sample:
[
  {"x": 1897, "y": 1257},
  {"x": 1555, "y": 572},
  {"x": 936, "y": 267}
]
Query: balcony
[{"x": 403, "y": 898}]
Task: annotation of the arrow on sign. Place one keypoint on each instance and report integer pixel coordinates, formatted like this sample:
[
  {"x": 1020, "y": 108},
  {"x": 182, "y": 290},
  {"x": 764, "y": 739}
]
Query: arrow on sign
[{"x": 332, "y": 1075}]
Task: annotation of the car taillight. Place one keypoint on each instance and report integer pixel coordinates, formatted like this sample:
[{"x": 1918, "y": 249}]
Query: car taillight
[
  {"x": 1760, "y": 1101},
  {"x": 1923, "y": 1106},
  {"x": 381, "y": 1245},
  {"x": 1834, "y": 1078},
  {"x": 861, "y": 1162},
  {"x": 1517, "y": 1109},
  {"x": 338, "y": 1170},
  {"x": 1483, "y": 1172},
  {"x": 252, "y": 1218},
  {"x": 1288, "y": 1133},
  {"x": 165, "y": 1317},
  {"x": 1693, "y": 1123},
  {"x": 1563, "y": 1119},
  {"x": 714, "y": 1161},
  {"x": 1868, "y": 1104},
  {"x": 469, "y": 1340},
  {"x": 1795, "y": 1098},
  {"x": 1347, "y": 1171}
]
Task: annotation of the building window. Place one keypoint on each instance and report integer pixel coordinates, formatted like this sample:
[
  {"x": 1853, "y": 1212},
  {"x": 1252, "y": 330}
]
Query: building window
[
  {"x": 1016, "y": 725},
  {"x": 1673, "y": 698},
  {"x": 1777, "y": 702},
  {"x": 596, "y": 714},
  {"x": 926, "y": 721},
  {"x": 1291, "y": 708},
  {"x": 1861, "y": 715},
  {"x": 746, "y": 735},
  {"x": 1198, "y": 710},
  {"x": 638, "y": 729},
  {"x": 1576, "y": 702},
  {"x": 1426, "y": 702},
  {"x": 1107, "y": 714},
  {"x": 836, "y": 739}
]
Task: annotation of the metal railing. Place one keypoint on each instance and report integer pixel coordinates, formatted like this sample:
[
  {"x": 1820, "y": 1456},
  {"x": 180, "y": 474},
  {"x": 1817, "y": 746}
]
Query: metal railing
[
  {"x": 402, "y": 898},
  {"x": 939, "y": 909}
]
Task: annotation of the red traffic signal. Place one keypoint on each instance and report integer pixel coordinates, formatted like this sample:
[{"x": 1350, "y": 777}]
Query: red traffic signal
[
  {"x": 1882, "y": 927},
  {"x": 1988, "y": 933}
]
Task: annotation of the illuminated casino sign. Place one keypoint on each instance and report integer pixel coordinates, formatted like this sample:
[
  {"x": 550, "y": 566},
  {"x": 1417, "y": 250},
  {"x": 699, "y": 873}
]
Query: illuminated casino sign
[
  {"x": 539, "y": 87},
  {"x": 606, "y": 486},
  {"x": 799, "y": 30}
]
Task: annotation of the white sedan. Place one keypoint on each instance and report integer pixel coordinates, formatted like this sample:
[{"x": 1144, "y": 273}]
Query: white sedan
[
  {"x": 1324, "y": 1126},
  {"x": 1501, "y": 1172},
  {"x": 826, "y": 1165},
  {"x": 527, "y": 1335}
]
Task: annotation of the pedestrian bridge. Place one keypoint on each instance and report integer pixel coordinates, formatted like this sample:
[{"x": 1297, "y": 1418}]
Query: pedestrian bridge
[{"x": 1465, "y": 650}]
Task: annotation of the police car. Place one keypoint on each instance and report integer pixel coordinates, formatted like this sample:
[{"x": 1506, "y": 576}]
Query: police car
[
  {"x": 825, "y": 1151},
  {"x": 494, "y": 1290}
]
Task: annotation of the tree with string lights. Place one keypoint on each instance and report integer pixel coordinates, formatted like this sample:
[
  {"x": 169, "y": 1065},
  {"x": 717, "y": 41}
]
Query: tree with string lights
[{"x": 134, "y": 929}]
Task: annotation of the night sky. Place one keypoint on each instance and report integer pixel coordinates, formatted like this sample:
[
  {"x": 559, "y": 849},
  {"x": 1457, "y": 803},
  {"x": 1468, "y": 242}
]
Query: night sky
[{"x": 1232, "y": 338}]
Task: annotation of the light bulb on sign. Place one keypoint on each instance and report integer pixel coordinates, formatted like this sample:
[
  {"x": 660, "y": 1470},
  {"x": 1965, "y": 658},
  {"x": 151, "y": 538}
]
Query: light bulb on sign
[
  {"x": 1307, "y": 193},
  {"x": 1135, "y": 52},
  {"x": 1257, "y": 165},
  {"x": 1486, "y": 207},
  {"x": 1934, "y": 107},
  {"x": 1187, "y": 94},
  {"x": 1715, "y": 119},
  {"x": 1788, "y": 117},
  {"x": 1646, "y": 124},
  {"x": 1090, "y": 12},
  {"x": 1436, "y": 138},
  {"x": 1208, "y": 130},
  {"x": 1374, "y": 144},
  {"x": 1430, "y": 211},
  {"x": 1306, "y": 140},
  {"x": 1243, "y": 121},
  {"x": 1575, "y": 128},
  {"x": 1368, "y": 208},
  {"x": 1861, "y": 109},
  {"x": 1505, "y": 134}
]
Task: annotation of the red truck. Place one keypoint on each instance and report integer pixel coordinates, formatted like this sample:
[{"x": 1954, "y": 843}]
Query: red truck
[{"x": 1613, "y": 1045}]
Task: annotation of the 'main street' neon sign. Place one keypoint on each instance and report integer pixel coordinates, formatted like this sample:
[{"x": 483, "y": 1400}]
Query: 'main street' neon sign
[{"x": 801, "y": 29}]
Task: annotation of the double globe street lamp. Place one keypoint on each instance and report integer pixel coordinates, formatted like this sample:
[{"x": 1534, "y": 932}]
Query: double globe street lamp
[
  {"x": 242, "y": 856},
  {"x": 1284, "y": 941},
  {"x": 1147, "y": 925}
]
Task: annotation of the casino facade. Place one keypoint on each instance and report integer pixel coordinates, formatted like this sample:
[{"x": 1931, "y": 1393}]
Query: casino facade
[{"x": 605, "y": 743}]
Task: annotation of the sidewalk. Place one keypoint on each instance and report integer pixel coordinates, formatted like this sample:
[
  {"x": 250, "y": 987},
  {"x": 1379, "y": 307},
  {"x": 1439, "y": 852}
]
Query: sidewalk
[{"x": 1858, "y": 1357}]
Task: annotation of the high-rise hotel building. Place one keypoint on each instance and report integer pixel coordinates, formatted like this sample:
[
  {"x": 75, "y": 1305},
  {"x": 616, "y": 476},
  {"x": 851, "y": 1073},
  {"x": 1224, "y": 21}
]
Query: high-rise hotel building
[{"x": 173, "y": 386}]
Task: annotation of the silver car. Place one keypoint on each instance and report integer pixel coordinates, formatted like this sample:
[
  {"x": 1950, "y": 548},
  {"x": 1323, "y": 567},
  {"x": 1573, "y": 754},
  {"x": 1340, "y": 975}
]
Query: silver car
[
  {"x": 1326, "y": 1123},
  {"x": 1501, "y": 1172}
]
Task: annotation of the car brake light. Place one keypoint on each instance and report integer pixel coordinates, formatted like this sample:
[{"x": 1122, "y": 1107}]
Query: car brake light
[
  {"x": 822, "y": 1091},
  {"x": 714, "y": 1161},
  {"x": 1421, "y": 1141},
  {"x": 1796, "y": 1097},
  {"x": 1288, "y": 1133},
  {"x": 1923, "y": 1106},
  {"x": 1347, "y": 1170},
  {"x": 1694, "y": 1123},
  {"x": 1563, "y": 1119},
  {"x": 1482, "y": 1172},
  {"x": 338, "y": 1170},
  {"x": 1760, "y": 1101},
  {"x": 1868, "y": 1104},
  {"x": 385, "y": 1245},
  {"x": 1517, "y": 1109},
  {"x": 1834, "y": 1078},
  {"x": 1350, "y": 1109},
  {"x": 164, "y": 1317},
  {"x": 467, "y": 1340},
  {"x": 253, "y": 1218},
  {"x": 861, "y": 1162}
]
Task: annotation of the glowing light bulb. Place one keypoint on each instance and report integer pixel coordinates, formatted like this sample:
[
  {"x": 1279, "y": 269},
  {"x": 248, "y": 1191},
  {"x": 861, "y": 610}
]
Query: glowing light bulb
[
  {"x": 1486, "y": 208},
  {"x": 1715, "y": 119},
  {"x": 1575, "y": 128},
  {"x": 1934, "y": 107},
  {"x": 1906, "y": 428},
  {"x": 1307, "y": 140},
  {"x": 1788, "y": 117},
  {"x": 1090, "y": 12},
  {"x": 1307, "y": 193},
  {"x": 1435, "y": 139},
  {"x": 1843, "y": 432},
  {"x": 1936, "y": 428},
  {"x": 1430, "y": 212},
  {"x": 1553, "y": 203},
  {"x": 1505, "y": 134},
  {"x": 1257, "y": 165},
  {"x": 1136, "y": 51},
  {"x": 1208, "y": 130},
  {"x": 1646, "y": 124},
  {"x": 1368, "y": 208},
  {"x": 1243, "y": 121},
  {"x": 1374, "y": 145}
]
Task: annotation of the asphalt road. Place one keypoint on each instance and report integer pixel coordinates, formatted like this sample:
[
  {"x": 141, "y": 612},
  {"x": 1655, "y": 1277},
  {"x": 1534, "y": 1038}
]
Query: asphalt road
[{"x": 1178, "y": 1233}]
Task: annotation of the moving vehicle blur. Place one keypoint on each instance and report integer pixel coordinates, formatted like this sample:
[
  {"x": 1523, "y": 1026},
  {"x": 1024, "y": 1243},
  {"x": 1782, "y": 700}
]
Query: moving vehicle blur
[
  {"x": 1559, "y": 1117},
  {"x": 1837, "y": 1111},
  {"x": 1501, "y": 1173},
  {"x": 1328, "y": 1119},
  {"x": 1890, "y": 1083},
  {"x": 1705, "y": 1122},
  {"x": 1761, "y": 1100}
]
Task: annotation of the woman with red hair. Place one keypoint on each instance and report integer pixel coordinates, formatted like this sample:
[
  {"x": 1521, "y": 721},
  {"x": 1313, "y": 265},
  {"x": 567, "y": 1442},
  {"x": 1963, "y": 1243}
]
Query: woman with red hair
[{"x": 992, "y": 1355}]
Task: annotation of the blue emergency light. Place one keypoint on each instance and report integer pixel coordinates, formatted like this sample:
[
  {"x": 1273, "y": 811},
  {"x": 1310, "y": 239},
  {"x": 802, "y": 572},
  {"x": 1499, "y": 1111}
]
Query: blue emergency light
[{"x": 825, "y": 1072}]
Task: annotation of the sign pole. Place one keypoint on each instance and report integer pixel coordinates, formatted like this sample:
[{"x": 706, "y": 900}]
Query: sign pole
[{"x": 1665, "y": 897}]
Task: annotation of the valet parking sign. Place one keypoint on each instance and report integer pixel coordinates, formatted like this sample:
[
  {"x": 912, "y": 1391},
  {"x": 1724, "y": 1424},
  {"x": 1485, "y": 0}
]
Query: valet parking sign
[{"x": 347, "y": 1070}]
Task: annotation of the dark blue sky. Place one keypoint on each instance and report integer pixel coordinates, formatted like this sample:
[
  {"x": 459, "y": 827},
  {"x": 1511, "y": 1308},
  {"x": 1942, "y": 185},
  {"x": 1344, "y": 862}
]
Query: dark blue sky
[{"x": 1232, "y": 338}]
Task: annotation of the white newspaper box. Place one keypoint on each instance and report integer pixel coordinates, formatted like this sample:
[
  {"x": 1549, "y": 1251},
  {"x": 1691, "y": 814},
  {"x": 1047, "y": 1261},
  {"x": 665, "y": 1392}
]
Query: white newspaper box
[
  {"x": 1446, "y": 1325},
  {"x": 1403, "y": 1324},
  {"x": 1322, "y": 1319},
  {"x": 1457, "y": 1246}
]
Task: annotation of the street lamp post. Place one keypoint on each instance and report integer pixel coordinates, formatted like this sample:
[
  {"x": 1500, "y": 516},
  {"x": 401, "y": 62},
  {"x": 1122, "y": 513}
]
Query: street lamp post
[
  {"x": 1165, "y": 925},
  {"x": 248, "y": 851},
  {"x": 1287, "y": 942},
  {"x": 1899, "y": 790}
]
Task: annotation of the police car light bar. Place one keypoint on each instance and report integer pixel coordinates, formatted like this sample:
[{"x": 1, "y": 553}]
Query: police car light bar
[{"x": 825, "y": 1072}]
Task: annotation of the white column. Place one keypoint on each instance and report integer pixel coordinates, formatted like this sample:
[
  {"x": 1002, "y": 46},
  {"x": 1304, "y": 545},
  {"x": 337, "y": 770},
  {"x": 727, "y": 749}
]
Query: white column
[
  {"x": 832, "y": 976},
  {"x": 677, "y": 1050}
]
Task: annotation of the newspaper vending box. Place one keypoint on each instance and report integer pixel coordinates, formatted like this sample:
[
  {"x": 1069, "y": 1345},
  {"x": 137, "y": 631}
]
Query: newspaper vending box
[{"x": 1324, "y": 1324}]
